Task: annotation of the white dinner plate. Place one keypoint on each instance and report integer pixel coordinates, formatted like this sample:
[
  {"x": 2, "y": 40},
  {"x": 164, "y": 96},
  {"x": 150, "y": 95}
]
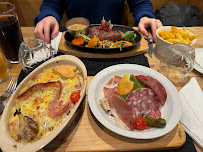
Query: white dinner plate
[
  {"x": 196, "y": 65},
  {"x": 171, "y": 111}
]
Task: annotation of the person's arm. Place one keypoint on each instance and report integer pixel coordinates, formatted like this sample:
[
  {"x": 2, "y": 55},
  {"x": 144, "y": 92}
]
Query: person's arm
[
  {"x": 141, "y": 8},
  {"x": 144, "y": 17},
  {"x": 53, "y": 8},
  {"x": 48, "y": 20}
]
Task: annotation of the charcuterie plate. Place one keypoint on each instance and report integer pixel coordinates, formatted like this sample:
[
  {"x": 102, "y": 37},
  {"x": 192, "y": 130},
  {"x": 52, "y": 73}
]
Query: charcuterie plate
[
  {"x": 68, "y": 37},
  {"x": 171, "y": 111}
]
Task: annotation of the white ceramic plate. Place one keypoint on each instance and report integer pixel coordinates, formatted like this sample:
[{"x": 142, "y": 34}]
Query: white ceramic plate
[
  {"x": 196, "y": 65},
  {"x": 6, "y": 142},
  {"x": 171, "y": 111}
]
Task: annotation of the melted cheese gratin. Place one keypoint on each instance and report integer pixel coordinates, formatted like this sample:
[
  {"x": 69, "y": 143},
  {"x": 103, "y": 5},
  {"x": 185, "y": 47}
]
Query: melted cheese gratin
[{"x": 36, "y": 106}]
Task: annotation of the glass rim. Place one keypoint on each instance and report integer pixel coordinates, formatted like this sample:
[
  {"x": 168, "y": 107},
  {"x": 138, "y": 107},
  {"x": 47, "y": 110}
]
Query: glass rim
[
  {"x": 35, "y": 40},
  {"x": 11, "y": 9},
  {"x": 189, "y": 52}
]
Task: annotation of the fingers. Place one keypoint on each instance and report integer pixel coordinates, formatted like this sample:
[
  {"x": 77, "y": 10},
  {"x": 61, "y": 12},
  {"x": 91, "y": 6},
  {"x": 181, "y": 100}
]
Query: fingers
[
  {"x": 55, "y": 31},
  {"x": 146, "y": 22},
  {"x": 39, "y": 31},
  {"x": 47, "y": 32},
  {"x": 143, "y": 30},
  {"x": 158, "y": 24},
  {"x": 153, "y": 29},
  {"x": 43, "y": 28}
]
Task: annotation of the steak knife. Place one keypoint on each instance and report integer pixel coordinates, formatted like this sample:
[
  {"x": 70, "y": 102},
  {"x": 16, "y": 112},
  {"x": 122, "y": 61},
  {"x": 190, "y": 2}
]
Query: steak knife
[{"x": 150, "y": 42}]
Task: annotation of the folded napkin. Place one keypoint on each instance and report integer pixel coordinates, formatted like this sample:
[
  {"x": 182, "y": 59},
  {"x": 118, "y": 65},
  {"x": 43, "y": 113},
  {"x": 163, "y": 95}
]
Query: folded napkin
[
  {"x": 192, "y": 114},
  {"x": 55, "y": 42},
  {"x": 199, "y": 57}
]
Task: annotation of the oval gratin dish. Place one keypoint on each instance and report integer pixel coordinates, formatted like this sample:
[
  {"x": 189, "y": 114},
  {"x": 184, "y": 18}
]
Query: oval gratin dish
[{"x": 7, "y": 143}]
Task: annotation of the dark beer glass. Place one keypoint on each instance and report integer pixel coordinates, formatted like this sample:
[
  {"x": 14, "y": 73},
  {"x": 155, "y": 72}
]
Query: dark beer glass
[{"x": 10, "y": 32}]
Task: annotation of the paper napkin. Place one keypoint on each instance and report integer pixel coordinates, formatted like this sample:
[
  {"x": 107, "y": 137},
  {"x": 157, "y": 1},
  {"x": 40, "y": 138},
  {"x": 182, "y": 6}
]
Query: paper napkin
[
  {"x": 192, "y": 114},
  {"x": 55, "y": 42},
  {"x": 199, "y": 57}
]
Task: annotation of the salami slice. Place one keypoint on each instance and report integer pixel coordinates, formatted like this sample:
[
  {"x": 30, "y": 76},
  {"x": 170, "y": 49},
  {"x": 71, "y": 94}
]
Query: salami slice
[
  {"x": 144, "y": 102},
  {"x": 155, "y": 85}
]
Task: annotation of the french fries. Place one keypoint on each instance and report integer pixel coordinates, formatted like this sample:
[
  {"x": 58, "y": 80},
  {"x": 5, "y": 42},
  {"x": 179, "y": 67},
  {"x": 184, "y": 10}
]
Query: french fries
[{"x": 177, "y": 35}]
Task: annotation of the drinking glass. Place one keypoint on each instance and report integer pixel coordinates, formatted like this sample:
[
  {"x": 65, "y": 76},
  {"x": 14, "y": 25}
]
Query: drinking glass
[
  {"x": 177, "y": 62},
  {"x": 4, "y": 73},
  {"x": 10, "y": 32},
  {"x": 33, "y": 52}
]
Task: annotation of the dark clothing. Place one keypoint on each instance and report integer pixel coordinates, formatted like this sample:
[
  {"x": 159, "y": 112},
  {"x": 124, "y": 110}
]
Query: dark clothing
[{"x": 94, "y": 10}]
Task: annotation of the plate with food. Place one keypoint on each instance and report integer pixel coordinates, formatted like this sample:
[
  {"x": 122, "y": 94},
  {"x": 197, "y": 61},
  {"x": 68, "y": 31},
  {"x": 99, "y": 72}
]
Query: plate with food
[
  {"x": 103, "y": 38},
  {"x": 134, "y": 101},
  {"x": 43, "y": 104}
]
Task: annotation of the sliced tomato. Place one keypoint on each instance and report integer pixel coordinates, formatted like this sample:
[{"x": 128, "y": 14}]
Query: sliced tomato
[
  {"x": 75, "y": 96},
  {"x": 140, "y": 124}
]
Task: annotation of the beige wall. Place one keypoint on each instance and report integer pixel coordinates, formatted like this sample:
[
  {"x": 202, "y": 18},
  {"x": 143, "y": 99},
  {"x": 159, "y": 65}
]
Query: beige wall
[{"x": 28, "y": 9}]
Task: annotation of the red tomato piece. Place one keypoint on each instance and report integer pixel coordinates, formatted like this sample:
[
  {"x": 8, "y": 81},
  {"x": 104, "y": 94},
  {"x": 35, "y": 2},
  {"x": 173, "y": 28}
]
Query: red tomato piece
[
  {"x": 140, "y": 124},
  {"x": 75, "y": 96}
]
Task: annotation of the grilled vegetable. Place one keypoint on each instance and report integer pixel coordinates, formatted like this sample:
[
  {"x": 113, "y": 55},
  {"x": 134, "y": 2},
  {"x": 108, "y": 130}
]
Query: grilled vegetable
[
  {"x": 81, "y": 34},
  {"x": 129, "y": 36},
  {"x": 159, "y": 123},
  {"x": 78, "y": 41},
  {"x": 137, "y": 84},
  {"x": 95, "y": 42}
]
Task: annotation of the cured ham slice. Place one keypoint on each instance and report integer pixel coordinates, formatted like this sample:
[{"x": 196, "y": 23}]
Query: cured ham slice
[
  {"x": 144, "y": 102},
  {"x": 117, "y": 104},
  {"x": 37, "y": 87},
  {"x": 155, "y": 85},
  {"x": 123, "y": 110},
  {"x": 111, "y": 86}
]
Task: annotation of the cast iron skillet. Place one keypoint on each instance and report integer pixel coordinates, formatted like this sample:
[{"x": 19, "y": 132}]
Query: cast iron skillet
[{"x": 122, "y": 28}]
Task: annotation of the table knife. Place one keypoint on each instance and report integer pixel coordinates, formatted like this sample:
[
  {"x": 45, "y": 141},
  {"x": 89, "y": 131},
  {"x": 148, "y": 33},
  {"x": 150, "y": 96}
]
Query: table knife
[{"x": 150, "y": 43}]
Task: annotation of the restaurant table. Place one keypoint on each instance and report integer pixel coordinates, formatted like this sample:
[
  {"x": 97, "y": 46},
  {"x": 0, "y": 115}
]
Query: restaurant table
[{"x": 86, "y": 134}]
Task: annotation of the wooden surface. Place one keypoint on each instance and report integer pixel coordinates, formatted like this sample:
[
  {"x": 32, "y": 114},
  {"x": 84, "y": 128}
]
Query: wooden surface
[
  {"x": 87, "y": 134},
  {"x": 139, "y": 49}
]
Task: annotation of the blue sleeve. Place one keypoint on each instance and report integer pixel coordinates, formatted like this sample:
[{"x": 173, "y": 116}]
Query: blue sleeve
[
  {"x": 141, "y": 8},
  {"x": 53, "y": 8}
]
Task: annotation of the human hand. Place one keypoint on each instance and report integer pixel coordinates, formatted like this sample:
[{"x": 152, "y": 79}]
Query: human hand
[
  {"x": 43, "y": 28},
  {"x": 146, "y": 22}
]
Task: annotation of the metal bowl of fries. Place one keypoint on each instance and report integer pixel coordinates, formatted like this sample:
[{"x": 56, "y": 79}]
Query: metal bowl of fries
[{"x": 167, "y": 35}]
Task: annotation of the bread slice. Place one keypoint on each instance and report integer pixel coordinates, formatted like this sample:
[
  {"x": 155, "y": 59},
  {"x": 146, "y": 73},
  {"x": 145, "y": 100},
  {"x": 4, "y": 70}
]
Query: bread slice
[{"x": 66, "y": 71}]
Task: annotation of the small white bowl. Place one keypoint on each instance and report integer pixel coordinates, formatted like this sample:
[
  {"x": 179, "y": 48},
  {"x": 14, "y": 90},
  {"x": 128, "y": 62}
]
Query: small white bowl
[
  {"x": 6, "y": 141},
  {"x": 161, "y": 44}
]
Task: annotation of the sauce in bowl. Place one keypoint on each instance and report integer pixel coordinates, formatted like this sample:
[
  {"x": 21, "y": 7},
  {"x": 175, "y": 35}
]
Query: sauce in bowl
[{"x": 76, "y": 27}]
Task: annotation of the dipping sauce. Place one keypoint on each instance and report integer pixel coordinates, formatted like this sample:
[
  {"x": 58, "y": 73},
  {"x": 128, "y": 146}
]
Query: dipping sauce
[{"x": 76, "y": 27}]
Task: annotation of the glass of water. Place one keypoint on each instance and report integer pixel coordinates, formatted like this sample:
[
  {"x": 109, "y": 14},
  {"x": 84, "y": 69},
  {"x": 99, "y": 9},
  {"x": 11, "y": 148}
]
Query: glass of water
[
  {"x": 33, "y": 52},
  {"x": 177, "y": 62}
]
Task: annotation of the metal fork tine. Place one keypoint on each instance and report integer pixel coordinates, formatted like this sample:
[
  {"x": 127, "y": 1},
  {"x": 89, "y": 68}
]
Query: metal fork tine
[
  {"x": 14, "y": 85},
  {"x": 11, "y": 87},
  {"x": 7, "y": 89}
]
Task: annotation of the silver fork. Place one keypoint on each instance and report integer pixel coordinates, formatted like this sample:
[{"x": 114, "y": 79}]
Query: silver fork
[{"x": 9, "y": 90}]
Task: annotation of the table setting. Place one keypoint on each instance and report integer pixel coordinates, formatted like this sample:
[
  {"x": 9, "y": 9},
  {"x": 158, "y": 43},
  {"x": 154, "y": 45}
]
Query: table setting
[{"x": 89, "y": 128}]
